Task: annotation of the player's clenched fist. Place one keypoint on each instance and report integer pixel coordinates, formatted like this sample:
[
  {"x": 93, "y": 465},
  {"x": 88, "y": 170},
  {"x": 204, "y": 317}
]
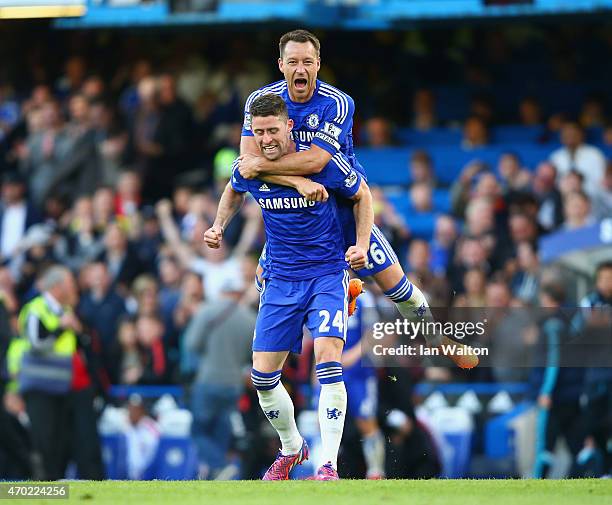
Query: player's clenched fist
[
  {"x": 248, "y": 165},
  {"x": 312, "y": 191},
  {"x": 213, "y": 237},
  {"x": 356, "y": 257}
]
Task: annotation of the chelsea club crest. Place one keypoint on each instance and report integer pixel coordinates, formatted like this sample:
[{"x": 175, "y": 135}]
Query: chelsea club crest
[{"x": 312, "y": 121}]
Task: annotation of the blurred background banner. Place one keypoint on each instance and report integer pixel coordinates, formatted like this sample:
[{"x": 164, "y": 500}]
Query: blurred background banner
[{"x": 349, "y": 14}]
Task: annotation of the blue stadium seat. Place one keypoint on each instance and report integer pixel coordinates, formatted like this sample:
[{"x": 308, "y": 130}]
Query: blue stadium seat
[
  {"x": 176, "y": 459},
  {"x": 385, "y": 166},
  {"x": 452, "y": 102},
  {"x": 499, "y": 435},
  {"x": 606, "y": 149},
  {"x": 449, "y": 161},
  {"x": 422, "y": 224},
  {"x": 433, "y": 137},
  {"x": 594, "y": 135},
  {"x": 401, "y": 201},
  {"x": 531, "y": 155},
  {"x": 441, "y": 200},
  {"x": 389, "y": 166},
  {"x": 114, "y": 456},
  {"x": 516, "y": 133}
]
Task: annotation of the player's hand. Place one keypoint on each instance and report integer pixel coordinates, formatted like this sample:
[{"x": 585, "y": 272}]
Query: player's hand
[
  {"x": 357, "y": 257},
  {"x": 248, "y": 165},
  {"x": 213, "y": 237},
  {"x": 312, "y": 191}
]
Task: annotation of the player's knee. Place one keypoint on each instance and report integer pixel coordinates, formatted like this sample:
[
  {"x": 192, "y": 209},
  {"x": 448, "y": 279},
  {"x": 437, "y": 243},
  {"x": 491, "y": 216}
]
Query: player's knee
[
  {"x": 328, "y": 349},
  {"x": 388, "y": 278},
  {"x": 329, "y": 372},
  {"x": 265, "y": 381},
  {"x": 268, "y": 361}
]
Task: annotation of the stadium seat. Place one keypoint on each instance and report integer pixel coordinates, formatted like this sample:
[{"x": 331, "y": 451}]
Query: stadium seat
[
  {"x": 389, "y": 166},
  {"x": 422, "y": 224},
  {"x": 441, "y": 200},
  {"x": 114, "y": 456},
  {"x": 435, "y": 136},
  {"x": 499, "y": 435},
  {"x": 517, "y": 133},
  {"x": 401, "y": 201},
  {"x": 385, "y": 166},
  {"x": 456, "y": 427},
  {"x": 176, "y": 459}
]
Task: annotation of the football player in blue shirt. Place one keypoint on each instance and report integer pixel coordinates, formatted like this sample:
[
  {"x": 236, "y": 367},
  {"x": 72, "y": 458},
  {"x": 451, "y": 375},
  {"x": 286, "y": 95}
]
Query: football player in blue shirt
[
  {"x": 323, "y": 121},
  {"x": 305, "y": 283},
  {"x": 362, "y": 388}
]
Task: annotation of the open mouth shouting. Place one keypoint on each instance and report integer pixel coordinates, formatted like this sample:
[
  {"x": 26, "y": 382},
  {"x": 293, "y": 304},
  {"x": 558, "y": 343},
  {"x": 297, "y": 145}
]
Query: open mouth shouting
[{"x": 300, "y": 84}]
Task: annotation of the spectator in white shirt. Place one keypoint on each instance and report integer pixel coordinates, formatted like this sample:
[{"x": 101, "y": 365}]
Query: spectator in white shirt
[
  {"x": 217, "y": 267},
  {"x": 16, "y": 216},
  {"x": 578, "y": 156},
  {"x": 142, "y": 438}
]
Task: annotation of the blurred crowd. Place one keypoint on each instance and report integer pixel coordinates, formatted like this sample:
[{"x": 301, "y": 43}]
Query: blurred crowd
[{"x": 117, "y": 178}]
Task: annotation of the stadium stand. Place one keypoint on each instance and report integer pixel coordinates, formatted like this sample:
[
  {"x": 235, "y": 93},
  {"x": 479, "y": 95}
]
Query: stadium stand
[{"x": 113, "y": 157}]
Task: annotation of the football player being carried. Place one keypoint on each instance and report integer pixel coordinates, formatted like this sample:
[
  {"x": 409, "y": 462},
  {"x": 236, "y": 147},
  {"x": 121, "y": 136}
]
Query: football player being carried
[
  {"x": 323, "y": 121},
  {"x": 305, "y": 281}
]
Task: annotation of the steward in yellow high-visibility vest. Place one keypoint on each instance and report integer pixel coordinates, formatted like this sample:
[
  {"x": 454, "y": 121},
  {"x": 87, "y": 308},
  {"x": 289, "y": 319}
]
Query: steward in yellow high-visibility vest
[
  {"x": 41, "y": 362},
  {"x": 40, "y": 359}
]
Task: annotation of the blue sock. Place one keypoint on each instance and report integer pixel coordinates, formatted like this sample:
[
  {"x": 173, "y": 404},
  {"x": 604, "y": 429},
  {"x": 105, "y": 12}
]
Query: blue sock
[
  {"x": 330, "y": 372},
  {"x": 401, "y": 292},
  {"x": 264, "y": 381}
]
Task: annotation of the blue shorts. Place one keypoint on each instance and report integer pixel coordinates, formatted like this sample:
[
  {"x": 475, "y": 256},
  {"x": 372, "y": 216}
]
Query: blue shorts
[
  {"x": 285, "y": 307},
  {"x": 362, "y": 394},
  {"x": 380, "y": 254}
]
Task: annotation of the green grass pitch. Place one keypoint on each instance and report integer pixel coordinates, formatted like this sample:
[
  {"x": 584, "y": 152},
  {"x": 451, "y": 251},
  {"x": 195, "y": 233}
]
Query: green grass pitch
[{"x": 351, "y": 492}]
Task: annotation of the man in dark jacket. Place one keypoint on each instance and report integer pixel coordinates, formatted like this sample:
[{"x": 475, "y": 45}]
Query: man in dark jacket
[{"x": 557, "y": 387}]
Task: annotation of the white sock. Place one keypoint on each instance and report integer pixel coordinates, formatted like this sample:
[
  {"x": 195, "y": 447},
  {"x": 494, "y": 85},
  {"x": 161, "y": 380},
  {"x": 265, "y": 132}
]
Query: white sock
[
  {"x": 278, "y": 408},
  {"x": 374, "y": 453},
  {"x": 417, "y": 308},
  {"x": 332, "y": 411}
]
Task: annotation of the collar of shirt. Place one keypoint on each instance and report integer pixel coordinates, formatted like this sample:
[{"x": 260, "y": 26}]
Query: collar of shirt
[{"x": 55, "y": 306}]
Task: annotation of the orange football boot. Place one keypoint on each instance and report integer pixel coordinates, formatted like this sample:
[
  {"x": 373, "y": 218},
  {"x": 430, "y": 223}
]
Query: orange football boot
[
  {"x": 464, "y": 360},
  {"x": 355, "y": 289}
]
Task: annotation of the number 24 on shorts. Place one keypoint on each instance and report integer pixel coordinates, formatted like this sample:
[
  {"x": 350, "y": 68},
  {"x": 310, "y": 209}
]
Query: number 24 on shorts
[{"x": 338, "y": 321}]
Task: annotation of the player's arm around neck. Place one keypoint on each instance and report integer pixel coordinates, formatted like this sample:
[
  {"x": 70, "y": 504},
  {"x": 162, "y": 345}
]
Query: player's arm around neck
[
  {"x": 310, "y": 190},
  {"x": 308, "y": 162},
  {"x": 248, "y": 146}
]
